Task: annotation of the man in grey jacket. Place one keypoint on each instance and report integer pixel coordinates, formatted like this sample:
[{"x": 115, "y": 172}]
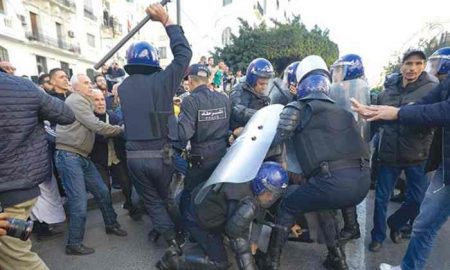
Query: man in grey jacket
[{"x": 73, "y": 145}]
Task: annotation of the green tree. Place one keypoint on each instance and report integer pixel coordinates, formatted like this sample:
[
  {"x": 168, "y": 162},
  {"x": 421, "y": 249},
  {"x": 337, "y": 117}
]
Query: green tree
[{"x": 281, "y": 45}]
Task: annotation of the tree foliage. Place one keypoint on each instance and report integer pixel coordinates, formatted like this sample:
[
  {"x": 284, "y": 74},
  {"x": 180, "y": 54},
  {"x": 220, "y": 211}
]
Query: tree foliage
[{"x": 281, "y": 45}]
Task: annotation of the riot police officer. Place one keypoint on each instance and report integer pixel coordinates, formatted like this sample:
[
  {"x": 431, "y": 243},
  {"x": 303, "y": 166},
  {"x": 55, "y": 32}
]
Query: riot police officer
[
  {"x": 146, "y": 99},
  {"x": 331, "y": 153},
  {"x": 204, "y": 121},
  {"x": 249, "y": 96},
  {"x": 283, "y": 90},
  {"x": 349, "y": 82},
  {"x": 227, "y": 208}
]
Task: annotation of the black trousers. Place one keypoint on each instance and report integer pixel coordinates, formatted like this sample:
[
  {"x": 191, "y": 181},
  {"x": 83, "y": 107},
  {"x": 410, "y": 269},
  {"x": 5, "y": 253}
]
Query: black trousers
[
  {"x": 151, "y": 177},
  {"x": 117, "y": 173}
]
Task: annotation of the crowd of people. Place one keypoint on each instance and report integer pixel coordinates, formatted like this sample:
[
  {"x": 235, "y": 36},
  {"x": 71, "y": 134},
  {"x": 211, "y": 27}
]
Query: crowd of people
[{"x": 214, "y": 155}]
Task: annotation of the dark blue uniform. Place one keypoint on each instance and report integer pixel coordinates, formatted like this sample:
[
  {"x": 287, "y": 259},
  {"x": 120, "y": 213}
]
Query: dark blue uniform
[
  {"x": 204, "y": 121},
  {"x": 245, "y": 102},
  {"x": 148, "y": 116}
]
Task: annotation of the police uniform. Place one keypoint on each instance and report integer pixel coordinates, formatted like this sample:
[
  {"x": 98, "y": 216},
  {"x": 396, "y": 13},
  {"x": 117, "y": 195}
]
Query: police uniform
[
  {"x": 227, "y": 208},
  {"x": 245, "y": 102},
  {"x": 204, "y": 122},
  {"x": 332, "y": 155},
  {"x": 150, "y": 125}
]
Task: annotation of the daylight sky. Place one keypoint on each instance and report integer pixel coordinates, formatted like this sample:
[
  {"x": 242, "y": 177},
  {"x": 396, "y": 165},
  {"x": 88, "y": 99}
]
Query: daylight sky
[{"x": 374, "y": 29}]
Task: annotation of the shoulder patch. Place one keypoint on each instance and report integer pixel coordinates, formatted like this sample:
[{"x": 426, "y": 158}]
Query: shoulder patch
[{"x": 212, "y": 114}]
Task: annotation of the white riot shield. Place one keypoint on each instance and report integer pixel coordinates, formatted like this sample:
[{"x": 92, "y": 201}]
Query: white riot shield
[
  {"x": 358, "y": 89},
  {"x": 245, "y": 156}
]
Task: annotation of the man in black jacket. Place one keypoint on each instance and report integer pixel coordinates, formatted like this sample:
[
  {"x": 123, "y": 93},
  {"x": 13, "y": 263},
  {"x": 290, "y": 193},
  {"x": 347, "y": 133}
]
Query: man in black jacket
[
  {"x": 24, "y": 158},
  {"x": 402, "y": 148}
]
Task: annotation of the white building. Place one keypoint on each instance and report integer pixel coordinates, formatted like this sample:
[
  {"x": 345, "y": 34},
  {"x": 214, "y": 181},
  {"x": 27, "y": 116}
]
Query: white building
[
  {"x": 210, "y": 23},
  {"x": 38, "y": 35}
]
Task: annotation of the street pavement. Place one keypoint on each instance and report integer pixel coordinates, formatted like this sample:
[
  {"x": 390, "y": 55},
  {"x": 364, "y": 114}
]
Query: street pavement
[{"x": 135, "y": 252}]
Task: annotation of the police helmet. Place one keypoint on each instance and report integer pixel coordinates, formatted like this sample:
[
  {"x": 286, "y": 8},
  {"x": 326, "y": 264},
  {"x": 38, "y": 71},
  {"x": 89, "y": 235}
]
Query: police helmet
[
  {"x": 271, "y": 177},
  {"x": 142, "y": 58},
  {"x": 439, "y": 62},
  {"x": 258, "y": 68},
  {"x": 290, "y": 76},
  {"x": 347, "y": 67},
  {"x": 314, "y": 78}
]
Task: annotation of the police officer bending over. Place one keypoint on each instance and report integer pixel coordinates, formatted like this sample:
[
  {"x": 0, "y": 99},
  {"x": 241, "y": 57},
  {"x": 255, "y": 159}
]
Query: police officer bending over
[
  {"x": 204, "y": 121},
  {"x": 227, "y": 208},
  {"x": 331, "y": 153},
  {"x": 146, "y": 99}
]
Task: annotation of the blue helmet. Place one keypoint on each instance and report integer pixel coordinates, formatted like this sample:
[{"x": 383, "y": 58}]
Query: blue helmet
[
  {"x": 348, "y": 67},
  {"x": 290, "y": 74},
  {"x": 439, "y": 62},
  {"x": 314, "y": 86},
  {"x": 141, "y": 57},
  {"x": 271, "y": 177},
  {"x": 314, "y": 78},
  {"x": 258, "y": 68}
]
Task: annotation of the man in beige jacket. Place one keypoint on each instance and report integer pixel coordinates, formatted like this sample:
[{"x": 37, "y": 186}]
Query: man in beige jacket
[{"x": 73, "y": 144}]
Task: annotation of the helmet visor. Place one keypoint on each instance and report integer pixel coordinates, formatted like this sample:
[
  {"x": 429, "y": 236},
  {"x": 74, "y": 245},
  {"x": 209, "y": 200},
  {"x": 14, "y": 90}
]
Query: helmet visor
[
  {"x": 434, "y": 65},
  {"x": 274, "y": 190},
  {"x": 338, "y": 73}
]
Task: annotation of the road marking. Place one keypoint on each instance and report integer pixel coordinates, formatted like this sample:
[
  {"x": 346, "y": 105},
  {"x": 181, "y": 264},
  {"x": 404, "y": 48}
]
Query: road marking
[{"x": 356, "y": 249}]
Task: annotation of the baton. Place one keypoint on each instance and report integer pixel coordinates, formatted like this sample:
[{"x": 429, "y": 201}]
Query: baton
[{"x": 126, "y": 38}]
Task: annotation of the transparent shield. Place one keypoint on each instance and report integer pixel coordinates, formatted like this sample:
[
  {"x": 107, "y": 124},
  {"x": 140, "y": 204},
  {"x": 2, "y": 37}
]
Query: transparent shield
[
  {"x": 358, "y": 89},
  {"x": 278, "y": 92}
]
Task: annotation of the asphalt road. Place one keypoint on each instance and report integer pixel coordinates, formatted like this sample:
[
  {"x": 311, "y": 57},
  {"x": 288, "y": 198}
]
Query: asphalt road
[{"x": 135, "y": 252}]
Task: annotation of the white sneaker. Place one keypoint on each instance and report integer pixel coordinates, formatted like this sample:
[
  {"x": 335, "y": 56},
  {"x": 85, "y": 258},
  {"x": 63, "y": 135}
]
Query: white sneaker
[{"x": 385, "y": 266}]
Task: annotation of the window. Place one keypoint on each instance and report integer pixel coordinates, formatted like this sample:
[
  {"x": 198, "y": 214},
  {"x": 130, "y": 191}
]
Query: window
[
  {"x": 3, "y": 54},
  {"x": 226, "y": 36},
  {"x": 2, "y": 7},
  {"x": 41, "y": 63},
  {"x": 91, "y": 40},
  {"x": 227, "y": 2},
  {"x": 65, "y": 67},
  {"x": 162, "y": 52}
]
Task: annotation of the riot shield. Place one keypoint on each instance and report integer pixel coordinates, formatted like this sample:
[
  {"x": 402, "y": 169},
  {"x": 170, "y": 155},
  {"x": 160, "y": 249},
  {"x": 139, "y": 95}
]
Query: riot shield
[
  {"x": 358, "y": 89},
  {"x": 278, "y": 92},
  {"x": 245, "y": 156}
]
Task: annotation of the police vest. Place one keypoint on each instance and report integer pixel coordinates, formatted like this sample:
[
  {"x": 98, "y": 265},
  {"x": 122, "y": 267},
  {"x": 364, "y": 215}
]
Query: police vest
[
  {"x": 213, "y": 121},
  {"x": 330, "y": 134},
  {"x": 213, "y": 211},
  {"x": 148, "y": 115}
]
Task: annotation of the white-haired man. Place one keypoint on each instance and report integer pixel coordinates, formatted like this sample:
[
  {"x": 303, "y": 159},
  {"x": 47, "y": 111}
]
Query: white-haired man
[{"x": 73, "y": 145}]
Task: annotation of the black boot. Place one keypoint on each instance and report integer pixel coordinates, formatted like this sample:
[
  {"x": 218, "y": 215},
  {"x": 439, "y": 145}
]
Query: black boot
[
  {"x": 44, "y": 231},
  {"x": 172, "y": 261},
  {"x": 351, "y": 226},
  {"x": 277, "y": 240},
  {"x": 336, "y": 259},
  {"x": 173, "y": 240}
]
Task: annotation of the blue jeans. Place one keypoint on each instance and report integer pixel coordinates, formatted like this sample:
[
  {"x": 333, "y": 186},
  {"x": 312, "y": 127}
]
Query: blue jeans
[
  {"x": 79, "y": 175},
  {"x": 416, "y": 185},
  {"x": 434, "y": 212}
]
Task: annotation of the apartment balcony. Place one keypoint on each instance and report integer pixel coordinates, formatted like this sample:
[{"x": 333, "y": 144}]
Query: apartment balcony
[
  {"x": 89, "y": 14},
  {"x": 50, "y": 41},
  {"x": 69, "y": 5}
]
